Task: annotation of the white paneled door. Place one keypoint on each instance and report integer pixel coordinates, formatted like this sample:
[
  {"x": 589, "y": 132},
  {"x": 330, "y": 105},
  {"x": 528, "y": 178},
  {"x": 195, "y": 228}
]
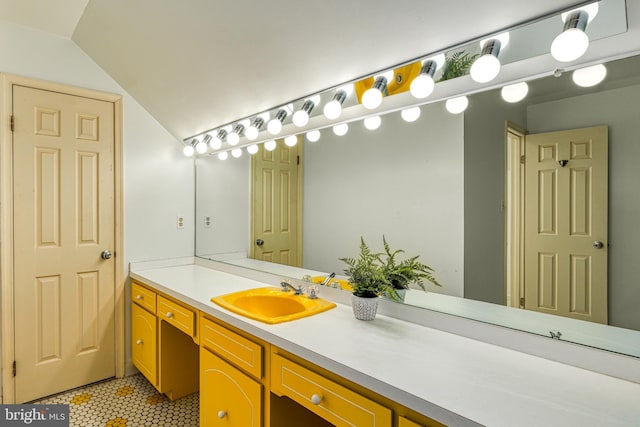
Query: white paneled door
[
  {"x": 566, "y": 223},
  {"x": 64, "y": 233}
]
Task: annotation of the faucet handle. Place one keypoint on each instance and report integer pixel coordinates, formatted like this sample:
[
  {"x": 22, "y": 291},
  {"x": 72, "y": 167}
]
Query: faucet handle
[{"x": 313, "y": 292}]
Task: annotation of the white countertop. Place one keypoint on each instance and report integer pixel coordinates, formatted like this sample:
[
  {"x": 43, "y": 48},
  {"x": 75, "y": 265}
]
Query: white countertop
[{"x": 455, "y": 380}]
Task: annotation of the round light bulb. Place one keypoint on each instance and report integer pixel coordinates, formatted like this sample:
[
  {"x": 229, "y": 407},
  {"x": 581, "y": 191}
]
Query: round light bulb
[
  {"x": 236, "y": 152},
  {"x": 223, "y": 155},
  {"x": 291, "y": 141},
  {"x": 332, "y": 110},
  {"x": 569, "y": 45},
  {"x": 274, "y": 126},
  {"x": 422, "y": 86},
  {"x": 457, "y": 105},
  {"x": 270, "y": 145},
  {"x": 372, "y": 123},
  {"x": 201, "y": 147},
  {"x": 485, "y": 68},
  {"x": 372, "y": 98},
  {"x": 300, "y": 118},
  {"x": 233, "y": 138},
  {"x": 515, "y": 92},
  {"x": 589, "y": 76},
  {"x": 215, "y": 143},
  {"x": 251, "y": 133},
  {"x": 313, "y": 135},
  {"x": 188, "y": 151},
  {"x": 341, "y": 129},
  {"x": 410, "y": 114},
  {"x": 252, "y": 149}
]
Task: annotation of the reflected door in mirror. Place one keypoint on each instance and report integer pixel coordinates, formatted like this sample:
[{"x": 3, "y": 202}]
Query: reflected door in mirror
[
  {"x": 276, "y": 205},
  {"x": 565, "y": 213}
]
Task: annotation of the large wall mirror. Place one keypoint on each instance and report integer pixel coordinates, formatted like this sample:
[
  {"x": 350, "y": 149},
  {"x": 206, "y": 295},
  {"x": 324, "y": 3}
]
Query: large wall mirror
[{"x": 443, "y": 187}]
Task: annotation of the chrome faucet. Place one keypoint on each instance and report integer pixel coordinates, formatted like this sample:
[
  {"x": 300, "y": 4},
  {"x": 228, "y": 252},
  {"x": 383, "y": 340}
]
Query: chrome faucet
[
  {"x": 286, "y": 286},
  {"x": 327, "y": 280}
]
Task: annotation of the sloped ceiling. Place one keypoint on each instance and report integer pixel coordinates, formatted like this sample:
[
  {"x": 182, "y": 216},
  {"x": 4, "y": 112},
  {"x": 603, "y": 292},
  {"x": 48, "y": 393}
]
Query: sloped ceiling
[
  {"x": 198, "y": 64},
  {"x": 59, "y": 17}
]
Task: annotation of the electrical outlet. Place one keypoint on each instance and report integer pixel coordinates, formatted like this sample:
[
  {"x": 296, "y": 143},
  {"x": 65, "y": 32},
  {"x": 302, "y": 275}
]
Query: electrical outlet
[
  {"x": 207, "y": 222},
  {"x": 180, "y": 222}
]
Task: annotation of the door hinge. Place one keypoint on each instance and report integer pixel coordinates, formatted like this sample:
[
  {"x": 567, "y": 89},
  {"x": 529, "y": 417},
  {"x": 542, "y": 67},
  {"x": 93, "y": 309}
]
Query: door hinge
[
  {"x": 522, "y": 159},
  {"x": 522, "y": 302},
  {"x": 12, "y": 123},
  {"x": 14, "y": 368}
]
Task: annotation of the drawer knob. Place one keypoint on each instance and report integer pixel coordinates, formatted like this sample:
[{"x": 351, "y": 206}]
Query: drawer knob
[
  {"x": 222, "y": 414},
  {"x": 169, "y": 314},
  {"x": 139, "y": 297},
  {"x": 139, "y": 342},
  {"x": 316, "y": 399}
]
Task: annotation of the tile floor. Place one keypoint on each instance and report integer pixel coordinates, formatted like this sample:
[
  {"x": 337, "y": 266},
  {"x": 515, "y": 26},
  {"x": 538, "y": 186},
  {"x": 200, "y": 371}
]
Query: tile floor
[{"x": 130, "y": 402}]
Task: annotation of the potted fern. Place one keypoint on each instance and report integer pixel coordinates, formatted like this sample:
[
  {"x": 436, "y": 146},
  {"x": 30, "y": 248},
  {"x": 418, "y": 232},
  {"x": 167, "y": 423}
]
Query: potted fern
[
  {"x": 369, "y": 281},
  {"x": 401, "y": 274},
  {"x": 457, "y": 65}
]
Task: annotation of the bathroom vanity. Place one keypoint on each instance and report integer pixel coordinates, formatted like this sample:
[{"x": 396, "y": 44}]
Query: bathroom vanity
[{"x": 331, "y": 369}]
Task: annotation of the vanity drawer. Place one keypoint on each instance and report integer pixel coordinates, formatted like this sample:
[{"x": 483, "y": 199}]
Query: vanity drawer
[
  {"x": 177, "y": 315},
  {"x": 331, "y": 401},
  {"x": 143, "y": 297},
  {"x": 242, "y": 352}
]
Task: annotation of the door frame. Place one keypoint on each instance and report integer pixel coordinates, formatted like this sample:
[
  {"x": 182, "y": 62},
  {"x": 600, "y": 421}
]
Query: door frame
[
  {"x": 514, "y": 216},
  {"x": 7, "y": 81}
]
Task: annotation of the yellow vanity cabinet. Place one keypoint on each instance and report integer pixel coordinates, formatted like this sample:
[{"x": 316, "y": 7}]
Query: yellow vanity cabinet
[
  {"x": 231, "y": 371},
  {"x": 405, "y": 422},
  {"x": 227, "y": 396},
  {"x": 144, "y": 346},
  {"x": 164, "y": 342},
  {"x": 144, "y": 349},
  {"x": 424, "y": 421},
  {"x": 327, "y": 398}
]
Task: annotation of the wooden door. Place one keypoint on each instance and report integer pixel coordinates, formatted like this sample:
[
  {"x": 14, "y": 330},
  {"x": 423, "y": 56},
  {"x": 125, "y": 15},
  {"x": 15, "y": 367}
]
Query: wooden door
[
  {"x": 566, "y": 223},
  {"x": 276, "y": 205},
  {"x": 64, "y": 214}
]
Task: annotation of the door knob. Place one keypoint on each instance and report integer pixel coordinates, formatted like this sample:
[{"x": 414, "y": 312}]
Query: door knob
[
  {"x": 106, "y": 254},
  {"x": 259, "y": 242},
  {"x": 598, "y": 244}
]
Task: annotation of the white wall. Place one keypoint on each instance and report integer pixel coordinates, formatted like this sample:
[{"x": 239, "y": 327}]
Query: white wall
[
  {"x": 367, "y": 183},
  {"x": 158, "y": 180},
  {"x": 370, "y": 183},
  {"x": 223, "y": 195}
]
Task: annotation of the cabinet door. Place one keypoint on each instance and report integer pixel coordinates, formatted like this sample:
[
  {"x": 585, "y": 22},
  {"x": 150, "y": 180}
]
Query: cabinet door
[
  {"x": 228, "y": 397},
  {"x": 144, "y": 342}
]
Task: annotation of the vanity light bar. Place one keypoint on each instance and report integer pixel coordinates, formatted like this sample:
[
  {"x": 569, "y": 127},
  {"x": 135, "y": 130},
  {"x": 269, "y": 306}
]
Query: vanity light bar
[{"x": 575, "y": 21}]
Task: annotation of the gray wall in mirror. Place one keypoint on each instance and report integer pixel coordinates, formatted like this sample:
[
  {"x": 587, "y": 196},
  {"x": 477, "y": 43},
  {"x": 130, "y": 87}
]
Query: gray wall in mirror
[
  {"x": 440, "y": 182},
  {"x": 556, "y": 104}
]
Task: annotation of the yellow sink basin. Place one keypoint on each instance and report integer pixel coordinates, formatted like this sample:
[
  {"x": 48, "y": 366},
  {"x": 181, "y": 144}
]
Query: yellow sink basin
[{"x": 271, "y": 305}]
